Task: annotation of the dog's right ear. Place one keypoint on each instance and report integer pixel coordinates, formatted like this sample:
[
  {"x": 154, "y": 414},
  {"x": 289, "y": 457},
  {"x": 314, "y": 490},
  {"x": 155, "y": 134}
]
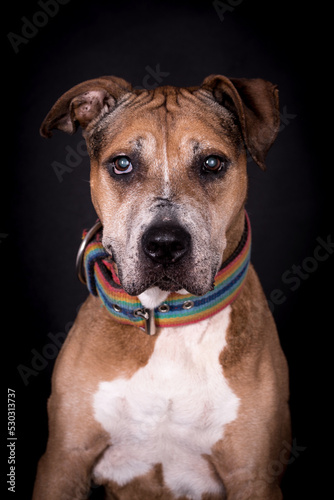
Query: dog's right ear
[{"x": 83, "y": 103}]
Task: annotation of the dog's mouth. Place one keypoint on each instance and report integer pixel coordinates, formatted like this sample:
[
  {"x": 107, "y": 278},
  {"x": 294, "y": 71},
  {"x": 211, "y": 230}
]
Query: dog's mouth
[
  {"x": 171, "y": 280},
  {"x": 168, "y": 285},
  {"x": 136, "y": 286}
]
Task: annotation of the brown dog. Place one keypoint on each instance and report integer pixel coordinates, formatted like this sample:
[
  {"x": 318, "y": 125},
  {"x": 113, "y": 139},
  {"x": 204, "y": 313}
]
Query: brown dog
[{"x": 200, "y": 409}]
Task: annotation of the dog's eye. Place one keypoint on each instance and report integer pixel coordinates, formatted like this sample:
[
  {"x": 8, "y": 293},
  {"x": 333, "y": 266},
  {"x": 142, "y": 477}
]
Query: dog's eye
[
  {"x": 122, "y": 165},
  {"x": 213, "y": 164}
]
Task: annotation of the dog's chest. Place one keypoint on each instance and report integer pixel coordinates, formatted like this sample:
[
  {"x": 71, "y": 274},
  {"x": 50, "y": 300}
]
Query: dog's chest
[{"x": 170, "y": 412}]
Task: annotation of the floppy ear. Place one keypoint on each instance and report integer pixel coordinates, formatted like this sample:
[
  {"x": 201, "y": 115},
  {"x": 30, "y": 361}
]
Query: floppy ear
[
  {"x": 255, "y": 102},
  {"x": 83, "y": 103}
]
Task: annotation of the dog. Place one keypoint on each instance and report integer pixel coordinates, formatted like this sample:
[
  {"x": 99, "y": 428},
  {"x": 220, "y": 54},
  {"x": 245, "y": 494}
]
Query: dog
[{"x": 171, "y": 384}]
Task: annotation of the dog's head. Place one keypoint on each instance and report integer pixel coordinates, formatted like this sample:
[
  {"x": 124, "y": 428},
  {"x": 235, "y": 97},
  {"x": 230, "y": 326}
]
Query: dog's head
[{"x": 168, "y": 171}]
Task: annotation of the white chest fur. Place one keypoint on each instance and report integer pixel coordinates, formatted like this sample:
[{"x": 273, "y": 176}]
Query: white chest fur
[{"x": 172, "y": 411}]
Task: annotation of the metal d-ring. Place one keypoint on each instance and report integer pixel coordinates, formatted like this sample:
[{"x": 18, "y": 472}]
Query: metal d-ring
[{"x": 80, "y": 255}]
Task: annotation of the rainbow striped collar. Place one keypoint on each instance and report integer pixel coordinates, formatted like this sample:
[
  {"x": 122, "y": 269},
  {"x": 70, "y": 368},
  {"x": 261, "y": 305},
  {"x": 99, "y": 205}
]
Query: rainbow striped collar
[{"x": 96, "y": 270}]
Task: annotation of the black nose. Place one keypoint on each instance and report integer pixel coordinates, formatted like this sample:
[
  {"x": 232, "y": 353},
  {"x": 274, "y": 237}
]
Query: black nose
[{"x": 166, "y": 243}]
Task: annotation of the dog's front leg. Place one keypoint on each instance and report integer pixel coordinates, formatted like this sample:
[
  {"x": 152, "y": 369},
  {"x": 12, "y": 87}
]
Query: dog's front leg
[
  {"x": 76, "y": 441},
  {"x": 251, "y": 458},
  {"x": 65, "y": 470},
  {"x": 242, "y": 488},
  {"x": 62, "y": 477}
]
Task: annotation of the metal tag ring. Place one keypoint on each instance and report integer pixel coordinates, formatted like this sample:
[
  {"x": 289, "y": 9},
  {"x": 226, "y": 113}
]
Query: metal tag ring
[{"x": 80, "y": 255}]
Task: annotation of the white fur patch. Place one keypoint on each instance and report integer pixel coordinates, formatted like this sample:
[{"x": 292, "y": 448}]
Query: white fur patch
[
  {"x": 171, "y": 411},
  {"x": 152, "y": 297}
]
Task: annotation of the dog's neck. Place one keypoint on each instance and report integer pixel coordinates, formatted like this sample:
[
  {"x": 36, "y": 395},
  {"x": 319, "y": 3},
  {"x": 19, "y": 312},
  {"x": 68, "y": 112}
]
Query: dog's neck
[{"x": 233, "y": 235}]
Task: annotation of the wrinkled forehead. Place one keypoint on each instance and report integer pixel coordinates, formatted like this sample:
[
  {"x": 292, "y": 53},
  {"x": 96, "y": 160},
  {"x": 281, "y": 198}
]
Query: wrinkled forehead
[{"x": 150, "y": 120}]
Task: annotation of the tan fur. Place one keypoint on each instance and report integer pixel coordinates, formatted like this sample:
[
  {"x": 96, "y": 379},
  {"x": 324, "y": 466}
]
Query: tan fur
[
  {"x": 256, "y": 368},
  {"x": 166, "y": 127}
]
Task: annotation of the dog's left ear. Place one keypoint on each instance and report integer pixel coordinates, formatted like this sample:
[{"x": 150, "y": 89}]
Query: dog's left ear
[
  {"x": 83, "y": 103},
  {"x": 255, "y": 102}
]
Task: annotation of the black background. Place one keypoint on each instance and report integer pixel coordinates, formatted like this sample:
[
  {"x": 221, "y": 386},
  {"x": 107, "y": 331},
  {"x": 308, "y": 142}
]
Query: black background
[{"x": 42, "y": 215}]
